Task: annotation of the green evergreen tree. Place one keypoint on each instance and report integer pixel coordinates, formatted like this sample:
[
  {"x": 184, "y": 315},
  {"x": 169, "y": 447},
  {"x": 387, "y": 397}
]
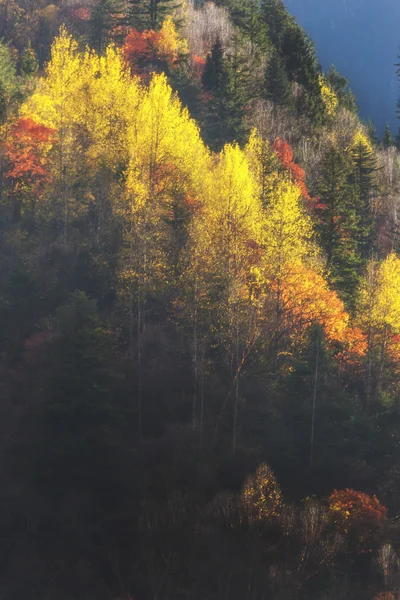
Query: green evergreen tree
[
  {"x": 298, "y": 53},
  {"x": 277, "y": 20},
  {"x": 339, "y": 85},
  {"x": 7, "y": 68},
  {"x": 337, "y": 223},
  {"x": 247, "y": 16},
  {"x": 226, "y": 109},
  {"x": 105, "y": 17},
  {"x": 29, "y": 61},
  {"x": 300, "y": 57},
  {"x": 150, "y": 14},
  {"x": 214, "y": 67},
  {"x": 3, "y": 105},
  {"x": 276, "y": 85},
  {"x": 8, "y": 83},
  {"x": 362, "y": 180},
  {"x": 372, "y": 133},
  {"x": 387, "y": 140},
  {"x": 76, "y": 412}
]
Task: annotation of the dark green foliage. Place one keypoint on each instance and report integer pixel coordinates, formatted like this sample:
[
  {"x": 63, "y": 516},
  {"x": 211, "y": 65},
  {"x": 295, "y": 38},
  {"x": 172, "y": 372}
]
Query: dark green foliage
[
  {"x": 372, "y": 133},
  {"x": 387, "y": 139},
  {"x": 277, "y": 20},
  {"x": 300, "y": 58},
  {"x": 7, "y": 68},
  {"x": 105, "y": 17},
  {"x": 226, "y": 106},
  {"x": 277, "y": 86},
  {"x": 337, "y": 223},
  {"x": 214, "y": 67},
  {"x": 299, "y": 55},
  {"x": 339, "y": 85},
  {"x": 29, "y": 63},
  {"x": 150, "y": 14},
  {"x": 248, "y": 17},
  {"x": 3, "y": 105},
  {"x": 44, "y": 40},
  {"x": 8, "y": 83},
  {"x": 363, "y": 183}
]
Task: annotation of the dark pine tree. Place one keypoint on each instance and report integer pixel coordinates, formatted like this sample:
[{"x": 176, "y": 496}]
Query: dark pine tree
[
  {"x": 247, "y": 16},
  {"x": 105, "y": 17},
  {"x": 29, "y": 61},
  {"x": 387, "y": 140},
  {"x": 337, "y": 220},
  {"x": 339, "y": 85},
  {"x": 150, "y": 14},
  {"x": 298, "y": 53},
  {"x": 214, "y": 67},
  {"x": 3, "y": 105},
  {"x": 362, "y": 180},
  {"x": 276, "y": 86},
  {"x": 226, "y": 108},
  {"x": 372, "y": 133},
  {"x": 277, "y": 20}
]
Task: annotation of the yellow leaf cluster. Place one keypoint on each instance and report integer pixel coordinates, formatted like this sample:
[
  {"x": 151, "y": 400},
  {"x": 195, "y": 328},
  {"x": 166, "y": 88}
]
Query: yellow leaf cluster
[
  {"x": 380, "y": 295},
  {"x": 262, "y": 495},
  {"x": 169, "y": 45},
  {"x": 361, "y": 139},
  {"x": 329, "y": 97}
]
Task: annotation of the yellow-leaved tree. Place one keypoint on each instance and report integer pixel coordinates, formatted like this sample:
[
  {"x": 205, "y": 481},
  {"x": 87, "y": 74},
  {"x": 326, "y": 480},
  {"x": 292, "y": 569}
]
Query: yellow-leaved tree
[
  {"x": 224, "y": 267},
  {"x": 378, "y": 315},
  {"x": 168, "y": 44},
  {"x": 89, "y": 101},
  {"x": 167, "y": 162},
  {"x": 295, "y": 293}
]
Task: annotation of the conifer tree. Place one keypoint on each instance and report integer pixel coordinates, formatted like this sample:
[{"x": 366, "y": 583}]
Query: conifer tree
[
  {"x": 276, "y": 86},
  {"x": 337, "y": 222},
  {"x": 150, "y": 14},
  {"x": 372, "y": 133},
  {"x": 387, "y": 140},
  {"x": 214, "y": 66},
  {"x": 105, "y": 18},
  {"x": 339, "y": 85},
  {"x": 277, "y": 20},
  {"x": 29, "y": 62},
  {"x": 226, "y": 108},
  {"x": 363, "y": 182},
  {"x": 298, "y": 52},
  {"x": 247, "y": 16}
]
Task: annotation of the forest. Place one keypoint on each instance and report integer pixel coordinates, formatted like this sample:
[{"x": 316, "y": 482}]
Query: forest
[{"x": 199, "y": 308}]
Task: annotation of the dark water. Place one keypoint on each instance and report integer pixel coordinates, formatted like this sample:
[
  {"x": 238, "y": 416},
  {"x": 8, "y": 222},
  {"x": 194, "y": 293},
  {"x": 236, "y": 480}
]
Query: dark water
[{"x": 362, "y": 38}]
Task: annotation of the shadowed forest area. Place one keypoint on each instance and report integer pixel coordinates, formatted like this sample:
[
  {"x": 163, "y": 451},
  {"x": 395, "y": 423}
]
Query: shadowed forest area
[{"x": 200, "y": 310}]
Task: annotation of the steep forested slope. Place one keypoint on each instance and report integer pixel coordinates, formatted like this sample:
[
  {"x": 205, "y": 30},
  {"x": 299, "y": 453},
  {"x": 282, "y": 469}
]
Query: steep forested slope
[{"x": 200, "y": 310}]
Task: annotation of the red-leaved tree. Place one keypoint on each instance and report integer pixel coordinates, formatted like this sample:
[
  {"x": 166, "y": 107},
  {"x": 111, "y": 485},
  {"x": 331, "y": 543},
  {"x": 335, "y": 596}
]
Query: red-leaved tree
[
  {"x": 297, "y": 174},
  {"x": 27, "y": 159},
  {"x": 358, "y": 516}
]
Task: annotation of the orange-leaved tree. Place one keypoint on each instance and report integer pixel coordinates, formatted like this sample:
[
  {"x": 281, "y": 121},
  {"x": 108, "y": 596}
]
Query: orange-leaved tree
[
  {"x": 27, "y": 160},
  {"x": 358, "y": 516},
  {"x": 295, "y": 172}
]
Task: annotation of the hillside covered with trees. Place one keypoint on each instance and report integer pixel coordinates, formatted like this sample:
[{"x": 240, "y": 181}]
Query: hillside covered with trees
[{"x": 200, "y": 310}]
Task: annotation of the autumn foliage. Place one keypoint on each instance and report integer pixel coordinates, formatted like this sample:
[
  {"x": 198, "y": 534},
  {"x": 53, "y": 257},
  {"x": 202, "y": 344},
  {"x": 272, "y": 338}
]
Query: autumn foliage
[
  {"x": 296, "y": 173},
  {"x": 262, "y": 495},
  {"x": 144, "y": 48},
  {"x": 27, "y": 151},
  {"x": 357, "y": 514}
]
